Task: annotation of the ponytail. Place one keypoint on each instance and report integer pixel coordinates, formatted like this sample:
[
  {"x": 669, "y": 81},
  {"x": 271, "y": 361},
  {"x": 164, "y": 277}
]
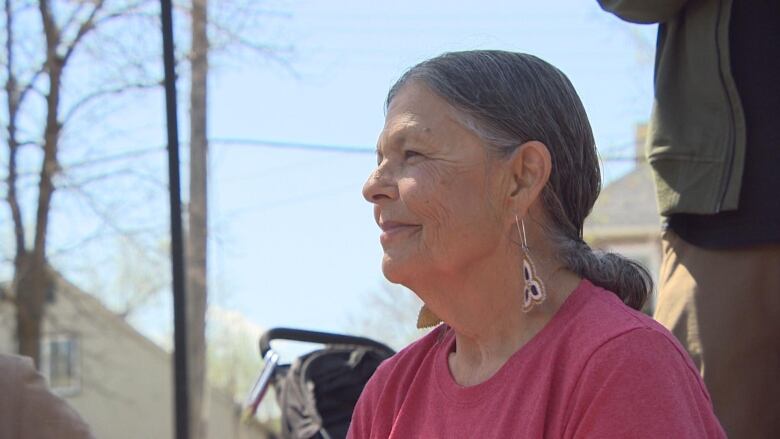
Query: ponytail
[{"x": 611, "y": 271}]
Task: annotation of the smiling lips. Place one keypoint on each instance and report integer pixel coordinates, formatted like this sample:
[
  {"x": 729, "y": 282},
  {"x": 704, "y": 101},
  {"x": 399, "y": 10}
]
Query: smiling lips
[{"x": 390, "y": 229}]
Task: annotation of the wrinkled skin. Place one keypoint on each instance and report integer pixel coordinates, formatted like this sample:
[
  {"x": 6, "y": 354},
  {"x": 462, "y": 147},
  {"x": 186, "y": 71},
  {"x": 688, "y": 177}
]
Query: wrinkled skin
[{"x": 436, "y": 192}]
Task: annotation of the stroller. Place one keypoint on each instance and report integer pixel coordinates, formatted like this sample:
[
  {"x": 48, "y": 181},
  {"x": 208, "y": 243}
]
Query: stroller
[{"x": 317, "y": 391}]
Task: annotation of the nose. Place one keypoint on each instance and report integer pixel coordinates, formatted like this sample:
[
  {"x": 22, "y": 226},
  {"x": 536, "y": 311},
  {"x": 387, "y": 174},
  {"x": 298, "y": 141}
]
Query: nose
[{"x": 380, "y": 186}]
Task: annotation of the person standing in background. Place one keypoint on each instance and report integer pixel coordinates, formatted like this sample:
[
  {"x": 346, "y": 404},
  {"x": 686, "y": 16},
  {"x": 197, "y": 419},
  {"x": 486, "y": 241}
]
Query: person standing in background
[
  {"x": 715, "y": 151},
  {"x": 28, "y": 410}
]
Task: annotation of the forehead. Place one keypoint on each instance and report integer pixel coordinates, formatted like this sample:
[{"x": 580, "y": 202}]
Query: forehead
[{"x": 416, "y": 110}]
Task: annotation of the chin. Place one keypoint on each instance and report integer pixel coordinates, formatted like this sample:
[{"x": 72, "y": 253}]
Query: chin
[{"x": 395, "y": 271}]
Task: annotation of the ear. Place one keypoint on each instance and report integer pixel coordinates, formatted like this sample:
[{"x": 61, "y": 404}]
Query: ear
[{"x": 530, "y": 165}]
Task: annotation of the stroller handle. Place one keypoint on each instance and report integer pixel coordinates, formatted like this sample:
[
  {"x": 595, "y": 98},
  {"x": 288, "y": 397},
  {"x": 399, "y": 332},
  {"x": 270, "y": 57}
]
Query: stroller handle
[{"x": 317, "y": 337}]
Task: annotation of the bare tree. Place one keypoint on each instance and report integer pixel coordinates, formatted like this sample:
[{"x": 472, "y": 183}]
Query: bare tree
[
  {"x": 64, "y": 63},
  {"x": 389, "y": 316},
  {"x": 35, "y": 75}
]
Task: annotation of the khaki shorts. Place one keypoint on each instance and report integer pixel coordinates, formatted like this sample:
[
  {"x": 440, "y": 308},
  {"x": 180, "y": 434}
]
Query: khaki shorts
[{"x": 724, "y": 307}]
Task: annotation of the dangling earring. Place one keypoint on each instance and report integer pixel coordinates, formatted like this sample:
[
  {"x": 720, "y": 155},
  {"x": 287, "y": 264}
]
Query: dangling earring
[
  {"x": 426, "y": 318},
  {"x": 534, "y": 293}
]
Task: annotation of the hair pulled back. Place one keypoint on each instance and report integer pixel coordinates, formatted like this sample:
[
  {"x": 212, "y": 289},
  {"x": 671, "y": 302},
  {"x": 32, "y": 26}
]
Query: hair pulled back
[{"x": 511, "y": 98}]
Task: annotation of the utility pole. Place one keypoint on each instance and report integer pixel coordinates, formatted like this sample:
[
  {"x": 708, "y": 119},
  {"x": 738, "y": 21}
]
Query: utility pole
[{"x": 198, "y": 218}]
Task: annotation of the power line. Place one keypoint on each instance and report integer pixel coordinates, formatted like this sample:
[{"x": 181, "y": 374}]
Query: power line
[
  {"x": 287, "y": 145},
  {"x": 351, "y": 149},
  {"x": 343, "y": 149}
]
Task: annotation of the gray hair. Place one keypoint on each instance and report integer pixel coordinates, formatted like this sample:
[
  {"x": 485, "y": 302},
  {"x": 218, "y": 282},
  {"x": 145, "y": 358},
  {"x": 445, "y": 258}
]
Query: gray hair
[{"x": 508, "y": 99}]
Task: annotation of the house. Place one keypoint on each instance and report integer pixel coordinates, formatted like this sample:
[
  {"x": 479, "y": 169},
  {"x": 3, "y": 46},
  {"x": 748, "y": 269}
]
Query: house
[
  {"x": 118, "y": 380},
  {"x": 625, "y": 217}
]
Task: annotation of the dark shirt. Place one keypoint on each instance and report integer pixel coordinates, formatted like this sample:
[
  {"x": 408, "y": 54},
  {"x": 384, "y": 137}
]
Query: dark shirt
[{"x": 754, "y": 38}]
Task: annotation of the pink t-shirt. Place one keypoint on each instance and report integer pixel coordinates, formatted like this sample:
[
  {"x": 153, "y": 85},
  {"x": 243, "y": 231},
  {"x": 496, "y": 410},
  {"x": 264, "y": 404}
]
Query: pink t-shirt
[{"x": 597, "y": 370}]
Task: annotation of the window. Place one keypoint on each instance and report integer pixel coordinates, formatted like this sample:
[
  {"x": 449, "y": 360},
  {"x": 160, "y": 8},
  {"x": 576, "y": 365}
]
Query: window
[{"x": 60, "y": 363}]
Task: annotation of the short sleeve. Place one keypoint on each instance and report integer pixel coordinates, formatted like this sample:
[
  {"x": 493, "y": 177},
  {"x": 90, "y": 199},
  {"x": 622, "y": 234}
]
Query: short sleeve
[{"x": 641, "y": 385}]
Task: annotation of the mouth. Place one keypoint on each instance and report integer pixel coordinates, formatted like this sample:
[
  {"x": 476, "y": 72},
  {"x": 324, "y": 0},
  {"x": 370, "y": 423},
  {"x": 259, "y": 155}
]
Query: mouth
[{"x": 392, "y": 229}]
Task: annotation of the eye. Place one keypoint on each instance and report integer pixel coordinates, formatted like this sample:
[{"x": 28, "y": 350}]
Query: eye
[{"x": 408, "y": 154}]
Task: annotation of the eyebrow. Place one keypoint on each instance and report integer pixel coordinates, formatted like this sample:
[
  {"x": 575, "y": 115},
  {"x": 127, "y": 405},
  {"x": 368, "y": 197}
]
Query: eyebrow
[{"x": 409, "y": 131}]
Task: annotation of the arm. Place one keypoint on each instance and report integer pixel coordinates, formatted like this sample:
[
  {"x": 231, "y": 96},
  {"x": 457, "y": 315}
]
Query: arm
[
  {"x": 643, "y": 11},
  {"x": 641, "y": 385},
  {"x": 41, "y": 413}
]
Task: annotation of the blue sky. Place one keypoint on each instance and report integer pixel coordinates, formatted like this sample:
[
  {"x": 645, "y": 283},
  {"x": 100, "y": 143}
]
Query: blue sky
[
  {"x": 296, "y": 243},
  {"x": 293, "y": 243}
]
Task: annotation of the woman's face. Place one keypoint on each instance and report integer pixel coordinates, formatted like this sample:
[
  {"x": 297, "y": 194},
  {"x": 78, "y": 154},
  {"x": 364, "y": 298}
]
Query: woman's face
[{"x": 436, "y": 192}]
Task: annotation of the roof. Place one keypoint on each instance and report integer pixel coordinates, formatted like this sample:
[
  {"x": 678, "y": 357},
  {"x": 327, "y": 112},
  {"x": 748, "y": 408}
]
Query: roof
[
  {"x": 626, "y": 206},
  {"x": 93, "y": 307}
]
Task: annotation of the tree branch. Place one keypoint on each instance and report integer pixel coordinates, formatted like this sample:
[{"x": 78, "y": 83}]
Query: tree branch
[
  {"x": 98, "y": 94},
  {"x": 11, "y": 88},
  {"x": 31, "y": 83},
  {"x": 85, "y": 27},
  {"x": 21, "y": 144},
  {"x": 105, "y": 217},
  {"x": 94, "y": 179},
  {"x": 275, "y": 53},
  {"x": 72, "y": 18},
  {"x": 95, "y": 22},
  {"x": 101, "y": 233},
  {"x": 49, "y": 165},
  {"x": 115, "y": 157},
  {"x": 132, "y": 9},
  {"x": 50, "y": 30}
]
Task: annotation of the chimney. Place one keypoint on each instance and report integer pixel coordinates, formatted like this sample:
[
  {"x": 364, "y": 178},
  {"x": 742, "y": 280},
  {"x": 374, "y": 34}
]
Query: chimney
[{"x": 640, "y": 136}]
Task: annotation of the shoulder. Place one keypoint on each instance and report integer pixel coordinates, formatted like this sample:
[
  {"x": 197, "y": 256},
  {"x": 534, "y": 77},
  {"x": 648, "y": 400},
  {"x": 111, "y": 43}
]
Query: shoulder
[
  {"x": 632, "y": 370},
  {"x": 13, "y": 368},
  {"x": 645, "y": 354},
  {"x": 408, "y": 359},
  {"x": 37, "y": 412},
  {"x": 635, "y": 379},
  {"x": 15, "y": 363},
  {"x": 612, "y": 329},
  {"x": 598, "y": 317},
  {"x": 390, "y": 383},
  {"x": 15, "y": 372}
]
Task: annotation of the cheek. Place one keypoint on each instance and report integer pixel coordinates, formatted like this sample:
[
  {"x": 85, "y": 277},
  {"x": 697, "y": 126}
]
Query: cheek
[
  {"x": 449, "y": 206},
  {"x": 430, "y": 199}
]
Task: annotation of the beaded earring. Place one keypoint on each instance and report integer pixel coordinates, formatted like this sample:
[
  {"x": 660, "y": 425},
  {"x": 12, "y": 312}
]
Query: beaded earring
[{"x": 534, "y": 292}]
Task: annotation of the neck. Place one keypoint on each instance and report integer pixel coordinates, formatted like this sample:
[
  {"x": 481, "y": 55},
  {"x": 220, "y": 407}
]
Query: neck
[{"x": 486, "y": 314}]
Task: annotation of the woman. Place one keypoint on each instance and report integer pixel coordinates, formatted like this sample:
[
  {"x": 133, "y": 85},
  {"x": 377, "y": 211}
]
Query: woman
[{"x": 486, "y": 171}]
